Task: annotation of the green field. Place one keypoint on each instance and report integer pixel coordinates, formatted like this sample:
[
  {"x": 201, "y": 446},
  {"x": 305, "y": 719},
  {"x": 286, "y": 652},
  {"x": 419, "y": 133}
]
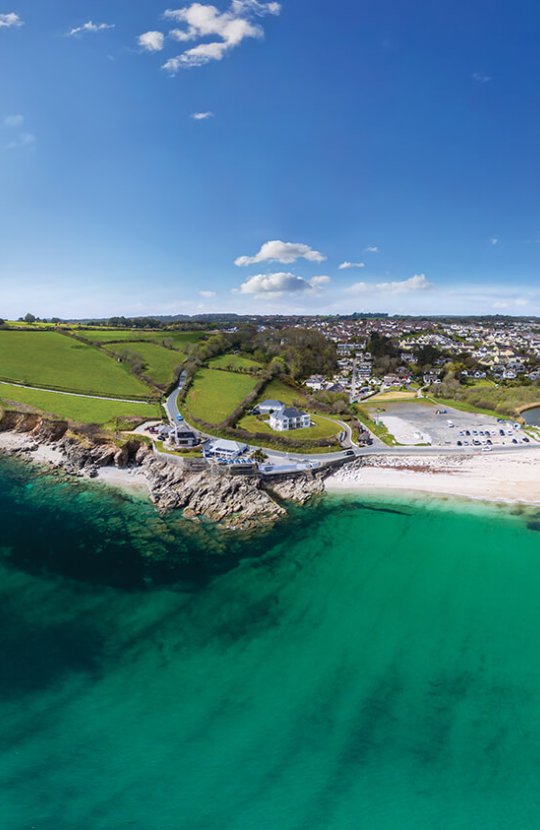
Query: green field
[
  {"x": 322, "y": 428},
  {"x": 160, "y": 362},
  {"x": 49, "y": 359},
  {"x": 279, "y": 391},
  {"x": 234, "y": 361},
  {"x": 77, "y": 409},
  {"x": 179, "y": 338},
  {"x": 215, "y": 394},
  {"x": 500, "y": 400}
]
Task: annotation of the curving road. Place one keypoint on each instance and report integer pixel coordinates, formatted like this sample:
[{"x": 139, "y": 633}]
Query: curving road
[{"x": 359, "y": 452}]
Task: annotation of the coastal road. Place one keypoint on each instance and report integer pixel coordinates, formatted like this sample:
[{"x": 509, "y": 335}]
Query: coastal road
[
  {"x": 171, "y": 406},
  {"x": 359, "y": 452}
]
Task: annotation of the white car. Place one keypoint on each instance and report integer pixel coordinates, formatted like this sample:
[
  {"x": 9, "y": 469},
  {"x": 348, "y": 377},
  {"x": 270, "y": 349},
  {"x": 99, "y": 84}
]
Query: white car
[{"x": 486, "y": 448}]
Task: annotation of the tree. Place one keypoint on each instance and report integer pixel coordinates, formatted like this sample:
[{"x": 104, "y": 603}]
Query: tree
[{"x": 29, "y": 318}]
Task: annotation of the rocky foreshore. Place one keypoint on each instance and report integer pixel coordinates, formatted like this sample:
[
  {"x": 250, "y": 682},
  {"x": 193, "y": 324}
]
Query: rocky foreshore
[{"x": 233, "y": 501}]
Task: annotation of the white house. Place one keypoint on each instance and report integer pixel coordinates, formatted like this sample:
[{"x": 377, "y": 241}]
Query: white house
[
  {"x": 221, "y": 448},
  {"x": 269, "y": 406},
  {"x": 289, "y": 418}
]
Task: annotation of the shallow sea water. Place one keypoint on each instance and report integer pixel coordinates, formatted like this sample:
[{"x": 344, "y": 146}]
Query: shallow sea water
[{"x": 370, "y": 664}]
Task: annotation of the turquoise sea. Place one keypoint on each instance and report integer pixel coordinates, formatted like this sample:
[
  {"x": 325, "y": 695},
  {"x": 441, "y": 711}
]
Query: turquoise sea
[{"x": 367, "y": 664}]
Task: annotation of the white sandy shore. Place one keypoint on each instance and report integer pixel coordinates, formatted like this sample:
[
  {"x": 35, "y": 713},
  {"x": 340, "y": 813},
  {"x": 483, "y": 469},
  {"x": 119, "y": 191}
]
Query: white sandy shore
[
  {"x": 43, "y": 453},
  {"x": 130, "y": 479},
  {"x": 509, "y": 477}
]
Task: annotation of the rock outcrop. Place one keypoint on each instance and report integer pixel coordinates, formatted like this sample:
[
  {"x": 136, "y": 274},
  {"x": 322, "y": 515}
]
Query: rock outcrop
[
  {"x": 233, "y": 501},
  {"x": 300, "y": 488}
]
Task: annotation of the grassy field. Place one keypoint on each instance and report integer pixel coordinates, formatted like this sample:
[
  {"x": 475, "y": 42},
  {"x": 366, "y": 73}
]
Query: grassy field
[
  {"x": 78, "y": 410},
  {"x": 49, "y": 359},
  {"x": 322, "y": 428},
  {"x": 160, "y": 363},
  {"x": 179, "y": 338},
  {"x": 234, "y": 361},
  {"x": 214, "y": 394},
  {"x": 392, "y": 396},
  {"x": 279, "y": 391},
  {"x": 501, "y": 400}
]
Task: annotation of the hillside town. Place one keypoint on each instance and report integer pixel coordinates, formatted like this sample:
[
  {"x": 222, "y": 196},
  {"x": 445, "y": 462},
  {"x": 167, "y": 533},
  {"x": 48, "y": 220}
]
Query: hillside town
[{"x": 418, "y": 351}]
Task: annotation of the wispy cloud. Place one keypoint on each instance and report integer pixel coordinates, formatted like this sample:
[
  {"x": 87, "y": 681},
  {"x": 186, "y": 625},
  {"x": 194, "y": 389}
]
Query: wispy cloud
[
  {"x": 201, "y": 22},
  {"x": 10, "y": 20},
  {"x": 481, "y": 77},
  {"x": 202, "y": 116},
  {"x": 418, "y": 282},
  {"x": 152, "y": 41},
  {"x": 494, "y": 240},
  {"x": 23, "y": 140},
  {"x": 207, "y": 294},
  {"x": 13, "y": 120},
  {"x": 285, "y": 252},
  {"x": 372, "y": 249},
  {"x": 344, "y": 266},
  {"x": 90, "y": 26}
]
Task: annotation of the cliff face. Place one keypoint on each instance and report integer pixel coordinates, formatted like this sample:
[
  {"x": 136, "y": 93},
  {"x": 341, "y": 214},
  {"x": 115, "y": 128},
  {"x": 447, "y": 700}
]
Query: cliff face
[{"x": 236, "y": 502}]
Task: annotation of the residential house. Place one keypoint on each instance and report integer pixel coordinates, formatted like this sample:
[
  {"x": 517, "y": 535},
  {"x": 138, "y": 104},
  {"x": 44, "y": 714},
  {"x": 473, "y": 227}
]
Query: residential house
[
  {"x": 289, "y": 418},
  {"x": 269, "y": 406}
]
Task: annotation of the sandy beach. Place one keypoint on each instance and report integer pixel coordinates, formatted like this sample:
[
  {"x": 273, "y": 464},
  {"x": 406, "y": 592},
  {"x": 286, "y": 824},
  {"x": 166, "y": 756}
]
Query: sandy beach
[
  {"x": 506, "y": 478},
  {"x": 131, "y": 479}
]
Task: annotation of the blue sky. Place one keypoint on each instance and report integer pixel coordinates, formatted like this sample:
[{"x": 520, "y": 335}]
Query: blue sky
[{"x": 399, "y": 138}]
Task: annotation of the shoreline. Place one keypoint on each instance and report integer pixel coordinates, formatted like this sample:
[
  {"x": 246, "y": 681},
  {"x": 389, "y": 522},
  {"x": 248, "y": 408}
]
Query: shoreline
[
  {"x": 510, "y": 480},
  {"x": 130, "y": 480}
]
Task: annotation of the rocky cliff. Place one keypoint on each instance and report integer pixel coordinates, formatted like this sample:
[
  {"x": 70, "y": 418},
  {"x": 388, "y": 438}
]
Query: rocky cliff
[{"x": 236, "y": 502}]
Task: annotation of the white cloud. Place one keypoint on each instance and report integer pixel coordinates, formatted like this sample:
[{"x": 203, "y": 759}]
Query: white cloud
[
  {"x": 22, "y": 140},
  {"x": 481, "y": 77},
  {"x": 372, "y": 249},
  {"x": 274, "y": 284},
  {"x": 13, "y": 120},
  {"x": 207, "y": 294},
  {"x": 151, "y": 41},
  {"x": 204, "y": 21},
  {"x": 417, "y": 283},
  {"x": 90, "y": 26},
  {"x": 494, "y": 240},
  {"x": 10, "y": 20},
  {"x": 202, "y": 116},
  {"x": 286, "y": 252},
  {"x": 254, "y": 7},
  {"x": 316, "y": 282},
  {"x": 346, "y": 265}
]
